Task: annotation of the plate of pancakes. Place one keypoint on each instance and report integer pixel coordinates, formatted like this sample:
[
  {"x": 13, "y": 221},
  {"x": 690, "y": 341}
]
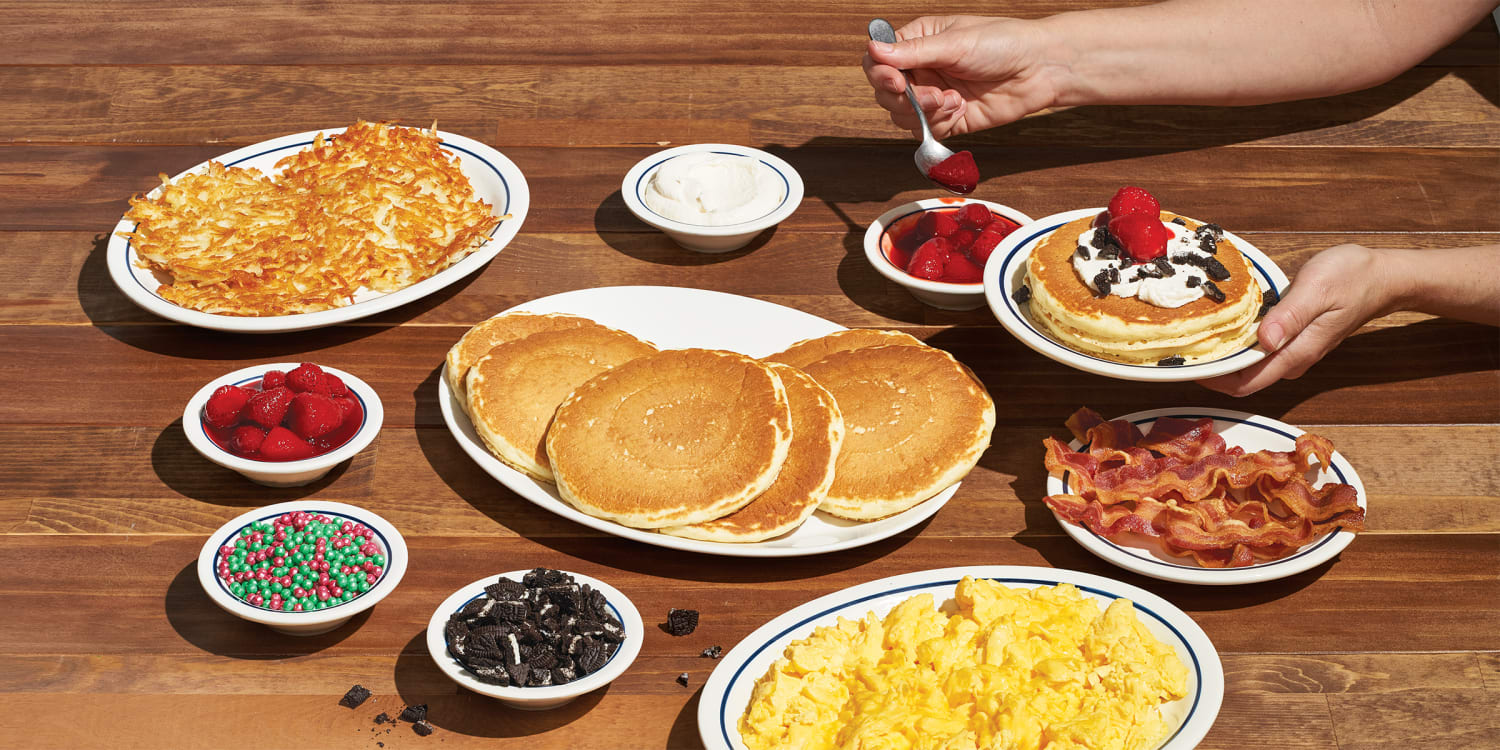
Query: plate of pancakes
[
  {"x": 711, "y": 422},
  {"x": 1035, "y": 292}
]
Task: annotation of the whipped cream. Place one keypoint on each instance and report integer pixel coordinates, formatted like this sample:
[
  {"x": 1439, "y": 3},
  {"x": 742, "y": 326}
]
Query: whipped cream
[
  {"x": 1185, "y": 284},
  {"x": 714, "y": 189}
]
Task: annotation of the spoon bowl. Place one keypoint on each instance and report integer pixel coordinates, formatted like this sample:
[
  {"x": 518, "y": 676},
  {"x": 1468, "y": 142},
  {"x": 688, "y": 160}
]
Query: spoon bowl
[{"x": 930, "y": 152}]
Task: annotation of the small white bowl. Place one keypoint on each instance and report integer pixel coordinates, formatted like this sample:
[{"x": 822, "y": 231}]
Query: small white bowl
[
  {"x": 314, "y": 622},
  {"x": 536, "y": 698},
  {"x": 940, "y": 294},
  {"x": 699, "y": 237},
  {"x": 282, "y": 473}
]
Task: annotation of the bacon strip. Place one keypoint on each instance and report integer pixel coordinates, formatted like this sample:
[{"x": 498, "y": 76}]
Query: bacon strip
[{"x": 1183, "y": 486}]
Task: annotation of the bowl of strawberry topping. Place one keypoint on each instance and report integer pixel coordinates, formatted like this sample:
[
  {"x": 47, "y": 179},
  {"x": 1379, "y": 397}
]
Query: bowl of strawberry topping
[
  {"x": 937, "y": 248},
  {"x": 284, "y": 424}
]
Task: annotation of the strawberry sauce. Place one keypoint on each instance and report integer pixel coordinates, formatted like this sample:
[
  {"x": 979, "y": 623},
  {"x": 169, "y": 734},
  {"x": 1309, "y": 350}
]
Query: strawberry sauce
[
  {"x": 321, "y": 444},
  {"x": 958, "y": 173},
  {"x": 974, "y": 240}
]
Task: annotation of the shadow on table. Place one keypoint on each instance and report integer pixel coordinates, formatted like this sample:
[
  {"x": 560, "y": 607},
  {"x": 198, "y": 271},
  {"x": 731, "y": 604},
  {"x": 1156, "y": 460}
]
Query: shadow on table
[
  {"x": 113, "y": 313},
  {"x": 525, "y": 518},
  {"x": 654, "y": 245},
  {"x": 181, "y": 467},
  {"x": 203, "y": 624},
  {"x": 455, "y": 709},
  {"x": 684, "y": 732}
]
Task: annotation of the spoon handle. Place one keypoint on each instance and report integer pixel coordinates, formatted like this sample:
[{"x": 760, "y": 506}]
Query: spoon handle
[{"x": 881, "y": 31}]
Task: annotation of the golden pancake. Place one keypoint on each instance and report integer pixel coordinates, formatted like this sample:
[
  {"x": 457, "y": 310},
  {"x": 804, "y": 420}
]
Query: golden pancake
[
  {"x": 672, "y": 439},
  {"x": 1127, "y": 329},
  {"x": 808, "y": 351},
  {"x": 817, "y": 432},
  {"x": 478, "y": 341},
  {"x": 513, "y": 391},
  {"x": 915, "y": 422}
]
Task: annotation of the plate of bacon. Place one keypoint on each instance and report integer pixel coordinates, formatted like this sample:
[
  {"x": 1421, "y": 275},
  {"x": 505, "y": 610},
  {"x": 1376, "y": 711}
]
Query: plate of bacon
[{"x": 1205, "y": 496}]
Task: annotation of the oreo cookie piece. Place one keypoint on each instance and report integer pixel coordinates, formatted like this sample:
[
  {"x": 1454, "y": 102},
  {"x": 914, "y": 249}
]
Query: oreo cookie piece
[
  {"x": 1021, "y": 295},
  {"x": 1268, "y": 300},
  {"x": 1209, "y": 230},
  {"x": 422, "y": 728},
  {"x": 1215, "y": 269},
  {"x": 682, "y": 621},
  {"x": 505, "y": 590},
  {"x": 1192, "y": 281},
  {"x": 1083, "y": 252},
  {"x": 1179, "y": 221},
  {"x": 1213, "y": 292},
  {"x": 712, "y": 652},
  {"x": 414, "y": 713},
  {"x": 1101, "y": 282},
  {"x": 682, "y": 679},
  {"x": 1165, "y": 267},
  {"x": 1175, "y": 360},
  {"x": 383, "y": 718},
  {"x": 1102, "y": 239},
  {"x": 356, "y": 695},
  {"x": 1209, "y": 244}
]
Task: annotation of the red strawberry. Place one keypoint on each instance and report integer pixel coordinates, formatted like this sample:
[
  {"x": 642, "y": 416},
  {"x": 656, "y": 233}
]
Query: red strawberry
[
  {"x": 246, "y": 440},
  {"x": 333, "y": 386},
  {"x": 958, "y": 173},
  {"x": 963, "y": 239},
  {"x": 346, "y": 405},
  {"x": 306, "y": 377},
  {"x": 930, "y": 259},
  {"x": 313, "y": 414},
  {"x": 990, "y": 238},
  {"x": 224, "y": 406},
  {"x": 974, "y": 216},
  {"x": 937, "y": 224},
  {"x": 961, "y": 270},
  {"x": 282, "y": 444},
  {"x": 1101, "y": 219},
  {"x": 1133, "y": 200},
  {"x": 268, "y": 408},
  {"x": 272, "y": 379},
  {"x": 1144, "y": 237}
]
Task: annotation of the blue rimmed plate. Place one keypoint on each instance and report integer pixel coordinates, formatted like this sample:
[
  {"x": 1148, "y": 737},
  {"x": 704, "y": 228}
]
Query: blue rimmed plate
[
  {"x": 1006, "y": 272},
  {"x": 1253, "y": 433},
  {"x": 726, "y": 695},
  {"x": 495, "y": 178}
]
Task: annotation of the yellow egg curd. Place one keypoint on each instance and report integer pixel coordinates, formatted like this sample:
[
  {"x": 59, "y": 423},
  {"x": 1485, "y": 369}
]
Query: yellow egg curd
[{"x": 1004, "y": 669}]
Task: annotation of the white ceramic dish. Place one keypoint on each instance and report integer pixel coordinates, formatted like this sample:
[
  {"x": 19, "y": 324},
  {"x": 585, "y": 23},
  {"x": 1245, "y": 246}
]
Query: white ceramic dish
[
  {"x": 387, "y": 539},
  {"x": 677, "y": 318},
  {"x": 1006, "y": 272},
  {"x": 940, "y": 294},
  {"x": 495, "y": 179},
  {"x": 1253, "y": 433},
  {"x": 536, "y": 698},
  {"x": 727, "y": 692},
  {"x": 708, "y": 239},
  {"x": 282, "y": 473}
]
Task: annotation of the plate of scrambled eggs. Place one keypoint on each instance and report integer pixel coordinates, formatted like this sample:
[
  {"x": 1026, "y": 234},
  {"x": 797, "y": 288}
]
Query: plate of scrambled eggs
[
  {"x": 317, "y": 228},
  {"x": 970, "y": 658}
]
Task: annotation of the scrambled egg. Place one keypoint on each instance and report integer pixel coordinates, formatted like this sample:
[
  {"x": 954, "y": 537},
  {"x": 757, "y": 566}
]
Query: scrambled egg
[{"x": 1013, "y": 669}]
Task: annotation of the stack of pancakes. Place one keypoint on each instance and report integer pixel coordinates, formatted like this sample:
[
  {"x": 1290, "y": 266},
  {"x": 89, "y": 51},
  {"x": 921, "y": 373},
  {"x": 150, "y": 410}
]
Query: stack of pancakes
[
  {"x": 716, "y": 445},
  {"x": 1126, "y": 329}
]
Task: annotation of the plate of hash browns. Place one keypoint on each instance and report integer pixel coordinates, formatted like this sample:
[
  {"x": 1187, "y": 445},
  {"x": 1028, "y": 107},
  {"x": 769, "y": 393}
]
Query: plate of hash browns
[
  {"x": 317, "y": 228},
  {"x": 1204, "y": 496}
]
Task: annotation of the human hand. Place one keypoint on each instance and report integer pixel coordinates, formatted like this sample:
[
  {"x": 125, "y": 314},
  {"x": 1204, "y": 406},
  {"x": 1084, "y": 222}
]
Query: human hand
[
  {"x": 968, "y": 72},
  {"x": 1336, "y": 292}
]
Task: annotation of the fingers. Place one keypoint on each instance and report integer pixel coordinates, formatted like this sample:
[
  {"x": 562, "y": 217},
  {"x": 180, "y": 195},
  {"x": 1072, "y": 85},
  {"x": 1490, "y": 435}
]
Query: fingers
[
  {"x": 935, "y": 51},
  {"x": 1290, "y": 362}
]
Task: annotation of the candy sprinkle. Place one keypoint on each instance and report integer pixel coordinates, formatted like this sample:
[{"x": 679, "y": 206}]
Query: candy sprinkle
[{"x": 301, "y": 562}]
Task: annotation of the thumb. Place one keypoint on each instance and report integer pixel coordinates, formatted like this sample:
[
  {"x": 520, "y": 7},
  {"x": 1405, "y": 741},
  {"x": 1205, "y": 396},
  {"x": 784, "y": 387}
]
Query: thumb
[
  {"x": 935, "y": 51},
  {"x": 1297, "y": 308}
]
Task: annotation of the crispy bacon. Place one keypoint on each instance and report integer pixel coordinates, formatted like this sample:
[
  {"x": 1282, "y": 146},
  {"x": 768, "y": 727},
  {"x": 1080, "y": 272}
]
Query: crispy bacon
[{"x": 1183, "y": 486}]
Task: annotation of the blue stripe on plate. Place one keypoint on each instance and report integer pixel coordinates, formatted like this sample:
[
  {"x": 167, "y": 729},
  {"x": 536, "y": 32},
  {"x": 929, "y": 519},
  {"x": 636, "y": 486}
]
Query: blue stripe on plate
[
  {"x": 917, "y": 587},
  {"x": 786, "y": 186},
  {"x": 1257, "y": 566},
  {"x": 229, "y": 542},
  {"x": 504, "y": 210},
  {"x": 1010, "y": 304}
]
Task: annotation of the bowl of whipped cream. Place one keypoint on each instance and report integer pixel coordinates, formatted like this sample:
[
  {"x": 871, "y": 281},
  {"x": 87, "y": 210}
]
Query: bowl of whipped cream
[{"x": 712, "y": 197}]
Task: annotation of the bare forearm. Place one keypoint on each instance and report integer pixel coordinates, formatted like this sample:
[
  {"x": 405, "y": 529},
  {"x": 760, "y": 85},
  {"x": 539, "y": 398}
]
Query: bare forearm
[
  {"x": 1462, "y": 283},
  {"x": 1246, "y": 51}
]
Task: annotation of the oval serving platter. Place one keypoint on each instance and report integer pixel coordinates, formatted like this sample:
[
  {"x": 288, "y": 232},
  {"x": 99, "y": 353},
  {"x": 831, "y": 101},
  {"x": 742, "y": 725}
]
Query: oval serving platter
[
  {"x": 679, "y": 318},
  {"x": 495, "y": 179},
  {"x": 726, "y": 694}
]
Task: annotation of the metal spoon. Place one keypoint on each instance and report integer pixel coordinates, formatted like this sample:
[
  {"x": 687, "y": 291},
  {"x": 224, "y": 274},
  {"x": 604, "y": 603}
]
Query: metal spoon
[{"x": 930, "y": 153}]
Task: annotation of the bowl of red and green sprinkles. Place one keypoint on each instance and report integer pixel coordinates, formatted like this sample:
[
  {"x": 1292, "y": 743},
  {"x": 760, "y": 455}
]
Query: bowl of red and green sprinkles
[{"x": 302, "y": 567}]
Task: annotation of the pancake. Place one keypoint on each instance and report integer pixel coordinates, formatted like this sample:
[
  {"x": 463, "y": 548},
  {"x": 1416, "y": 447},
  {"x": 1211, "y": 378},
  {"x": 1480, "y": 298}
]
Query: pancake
[
  {"x": 673, "y": 439},
  {"x": 513, "y": 391},
  {"x": 817, "y": 432},
  {"x": 808, "y": 351},
  {"x": 915, "y": 422},
  {"x": 1127, "y": 329},
  {"x": 478, "y": 341}
]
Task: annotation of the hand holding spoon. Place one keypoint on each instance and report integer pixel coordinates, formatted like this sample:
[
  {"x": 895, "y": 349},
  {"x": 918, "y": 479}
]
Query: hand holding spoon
[{"x": 959, "y": 176}]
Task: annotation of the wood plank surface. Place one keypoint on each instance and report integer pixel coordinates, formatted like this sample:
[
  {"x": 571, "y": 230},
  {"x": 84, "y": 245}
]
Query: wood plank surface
[{"x": 108, "y": 640}]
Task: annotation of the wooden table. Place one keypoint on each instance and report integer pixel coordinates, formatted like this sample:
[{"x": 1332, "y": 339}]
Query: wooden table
[{"x": 106, "y": 639}]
